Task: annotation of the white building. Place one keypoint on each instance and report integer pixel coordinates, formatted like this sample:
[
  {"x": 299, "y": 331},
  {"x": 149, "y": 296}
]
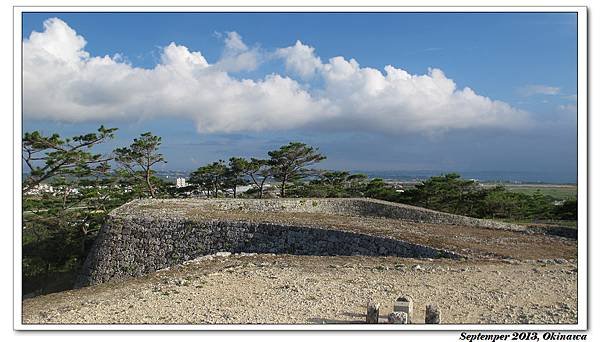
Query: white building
[
  {"x": 40, "y": 189},
  {"x": 180, "y": 182}
]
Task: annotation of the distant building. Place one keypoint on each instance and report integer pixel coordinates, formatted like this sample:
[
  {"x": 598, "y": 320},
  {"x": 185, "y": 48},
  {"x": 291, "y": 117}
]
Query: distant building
[
  {"x": 180, "y": 182},
  {"x": 49, "y": 189},
  {"x": 41, "y": 189}
]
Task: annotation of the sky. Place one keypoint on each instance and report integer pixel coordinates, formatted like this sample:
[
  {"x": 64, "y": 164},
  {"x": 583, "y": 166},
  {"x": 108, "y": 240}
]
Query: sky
[{"x": 374, "y": 91}]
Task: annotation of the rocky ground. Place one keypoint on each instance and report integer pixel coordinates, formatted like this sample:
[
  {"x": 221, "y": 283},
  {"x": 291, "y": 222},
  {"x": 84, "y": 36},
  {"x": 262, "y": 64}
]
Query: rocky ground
[
  {"x": 317, "y": 289},
  {"x": 506, "y": 276}
]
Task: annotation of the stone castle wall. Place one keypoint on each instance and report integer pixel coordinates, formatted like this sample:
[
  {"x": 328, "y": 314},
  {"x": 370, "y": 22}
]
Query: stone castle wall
[
  {"x": 355, "y": 207},
  {"x": 147, "y": 235},
  {"x": 133, "y": 247}
]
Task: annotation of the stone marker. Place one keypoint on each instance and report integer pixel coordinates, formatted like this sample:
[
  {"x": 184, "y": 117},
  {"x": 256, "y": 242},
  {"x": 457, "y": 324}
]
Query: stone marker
[
  {"x": 432, "y": 314},
  {"x": 404, "y": 304},
  {"x": 372, "y": 313},
  {"x": 398, "y": 318}
]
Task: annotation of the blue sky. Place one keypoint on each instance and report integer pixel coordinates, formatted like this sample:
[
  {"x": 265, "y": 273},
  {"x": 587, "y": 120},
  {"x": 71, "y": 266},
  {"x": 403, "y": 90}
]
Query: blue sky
[{"x": 517, "y": 114}]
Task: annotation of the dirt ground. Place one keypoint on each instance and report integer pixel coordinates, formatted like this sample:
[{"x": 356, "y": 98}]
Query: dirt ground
[{"x": 288, "y": 289}]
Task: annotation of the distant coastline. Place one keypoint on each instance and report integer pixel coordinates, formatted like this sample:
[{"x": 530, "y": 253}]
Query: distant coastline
[
  {"x": 509, "y": 177},
  {"x": 515, "y": 177}
]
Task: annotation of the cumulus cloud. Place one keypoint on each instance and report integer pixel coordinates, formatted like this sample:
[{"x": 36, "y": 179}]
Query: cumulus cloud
[
  {"x": 61, "y": 81},
  {"x": 538, "y": 89},
  {"x": 300, "y": 59},
  {"x": 237, "y": 56}
]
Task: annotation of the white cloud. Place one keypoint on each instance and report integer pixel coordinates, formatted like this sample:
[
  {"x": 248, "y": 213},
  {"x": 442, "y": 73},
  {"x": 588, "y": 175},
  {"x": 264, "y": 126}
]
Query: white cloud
[
  {"x": 61, "y": 81},
  {"x": 65, "y": 83},
  {"x": 237, "y": 56},
  {"x": 538, "y": 89},
  {"x": 300, "y": 59},
  {"x": 179, "y": 56},
  {"x": 234, "y": 42},
  {"x": 398, "y": 101}
]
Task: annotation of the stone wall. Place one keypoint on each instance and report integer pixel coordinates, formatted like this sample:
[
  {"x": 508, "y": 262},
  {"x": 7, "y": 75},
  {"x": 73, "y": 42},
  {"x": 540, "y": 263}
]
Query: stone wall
[
  {"x": 147, "y": 235},
  {"x": 350, "y": 206}
]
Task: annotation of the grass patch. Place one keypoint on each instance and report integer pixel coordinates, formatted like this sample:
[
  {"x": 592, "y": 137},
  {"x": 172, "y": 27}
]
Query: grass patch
[{"x": 559, "y": 192}]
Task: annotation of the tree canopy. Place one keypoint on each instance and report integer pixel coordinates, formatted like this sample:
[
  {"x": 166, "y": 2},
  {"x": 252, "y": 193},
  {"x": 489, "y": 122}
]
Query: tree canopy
[
  {"x": 290, "y": 163},
  {"x": 50, "y": 156},
  {"x": 139, "y": 159}
]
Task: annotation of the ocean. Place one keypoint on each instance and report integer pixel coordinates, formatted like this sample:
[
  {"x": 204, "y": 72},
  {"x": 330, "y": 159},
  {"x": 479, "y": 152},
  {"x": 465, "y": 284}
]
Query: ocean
[{"x": 549, "y": 177}]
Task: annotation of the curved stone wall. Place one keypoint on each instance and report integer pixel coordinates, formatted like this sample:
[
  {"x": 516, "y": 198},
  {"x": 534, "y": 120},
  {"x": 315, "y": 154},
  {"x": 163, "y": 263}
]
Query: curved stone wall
[
  {"x": 147, "y": 235},
  {"x": 342, "y": 206},
  {"x": 128, "y": 247}
]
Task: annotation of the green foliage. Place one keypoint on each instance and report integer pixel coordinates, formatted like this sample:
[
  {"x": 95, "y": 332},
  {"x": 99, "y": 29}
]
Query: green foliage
[
  {"x": 60, "y": 225},
  {"x": 138, "y": 159},
  {"x": 447, "y": 193},
  {"x": 211, "y": 178},
  {"x": 378, "y": 188},
  {"x": 50, "y": 156},
  {"x": 500, "y": 203},
  {"x": 331, "y": 184},
  {"x": 450, "y": 193},
  {"x": 236, "y": 172},
  {"x": 289, "y": 163},
  {"x": 257, "y": 170},
  {"x": 567, "y": 210}
]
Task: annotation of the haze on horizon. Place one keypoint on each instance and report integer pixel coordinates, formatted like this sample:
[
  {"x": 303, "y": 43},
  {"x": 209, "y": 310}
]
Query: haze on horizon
[{"x": 378, "y": 91}]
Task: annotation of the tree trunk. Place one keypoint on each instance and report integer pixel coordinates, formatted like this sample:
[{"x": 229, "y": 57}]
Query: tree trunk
[
  {"x": 261, "y": 187},
  {"x": 282, "y": 192},
  {"x": 149, "y": 184},
  {"x": 260, "y": 191}
]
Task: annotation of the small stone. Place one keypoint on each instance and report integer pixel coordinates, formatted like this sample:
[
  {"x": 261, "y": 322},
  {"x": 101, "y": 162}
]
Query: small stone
[
  {"x": 223, "y": 254},
  {"x": 181, "y": 282}
]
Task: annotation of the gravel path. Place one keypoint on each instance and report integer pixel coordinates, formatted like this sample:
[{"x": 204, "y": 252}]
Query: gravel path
[{"x": 317, "y": 289}]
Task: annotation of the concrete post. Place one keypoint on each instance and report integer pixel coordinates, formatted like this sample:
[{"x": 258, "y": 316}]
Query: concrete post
[
  {"x": 432, "y": 314},
  {"x": 404, "y": 304},
  {"x": 372, "y": 313}
]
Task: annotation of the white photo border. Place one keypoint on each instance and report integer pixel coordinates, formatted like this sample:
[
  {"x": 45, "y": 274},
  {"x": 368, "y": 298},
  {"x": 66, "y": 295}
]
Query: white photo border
[{"x": 582, "y": 168}]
